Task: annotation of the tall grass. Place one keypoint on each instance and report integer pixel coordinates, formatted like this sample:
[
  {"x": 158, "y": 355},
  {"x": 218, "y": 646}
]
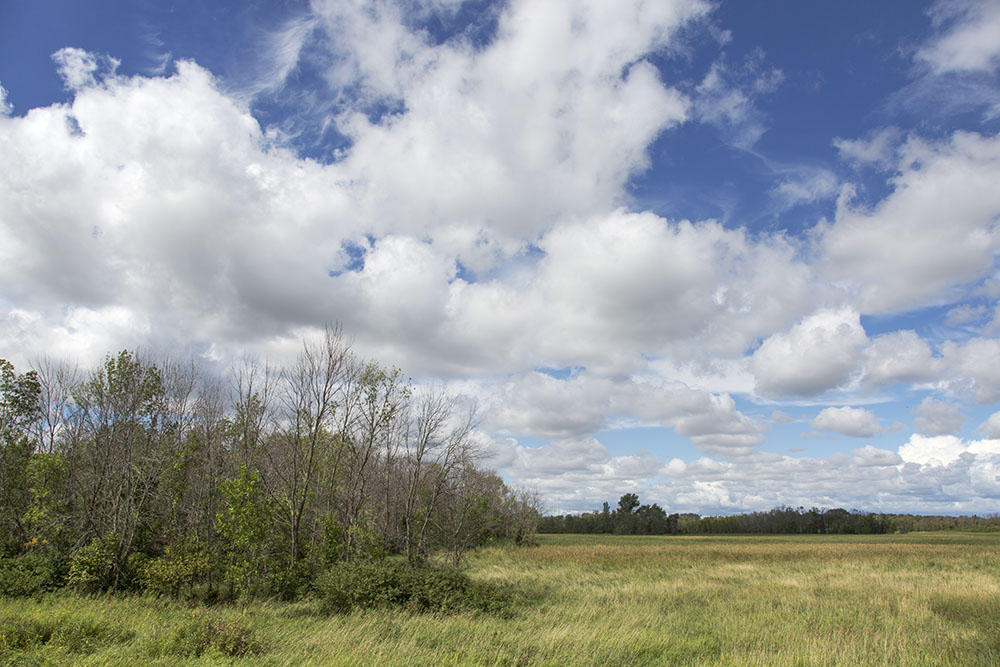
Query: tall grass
[{"x": 593, "y": 600}]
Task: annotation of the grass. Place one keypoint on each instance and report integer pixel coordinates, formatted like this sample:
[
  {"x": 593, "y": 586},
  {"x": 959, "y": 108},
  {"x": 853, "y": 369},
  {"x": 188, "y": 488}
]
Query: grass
[{"x": 931, "y": 598}]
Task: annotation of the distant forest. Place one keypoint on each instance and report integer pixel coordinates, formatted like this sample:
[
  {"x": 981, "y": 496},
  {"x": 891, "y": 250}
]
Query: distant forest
[
  {"x": 631, "y": 518},
  {"x": 151, "y": 474}
]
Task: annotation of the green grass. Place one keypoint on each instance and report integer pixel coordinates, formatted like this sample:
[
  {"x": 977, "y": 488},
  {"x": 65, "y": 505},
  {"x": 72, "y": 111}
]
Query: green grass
[{"x": 913, "y": 599}]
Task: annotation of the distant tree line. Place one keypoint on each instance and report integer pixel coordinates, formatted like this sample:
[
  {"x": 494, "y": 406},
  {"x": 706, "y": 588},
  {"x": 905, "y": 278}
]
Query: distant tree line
[
  {"x": 631, "y": 518},
  {"x": 153, "y": 474}
]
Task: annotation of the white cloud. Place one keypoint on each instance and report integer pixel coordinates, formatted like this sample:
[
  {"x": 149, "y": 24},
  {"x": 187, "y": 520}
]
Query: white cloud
[
  {"x": 156, "y": 211},
  {"x": 901, "y": 356},
  {"x": 967, "y": 37},
  {"x": 946, "y": 449},
  {"x": 80, "y": 69},
  {"x": 878, "y": 150},
  {"x": 854, "y": 422},
  {"x": 818, "y": 354},
  {"x": 940, "y": 223},
  {"x": 542, "y": 406},
  {"x": 726, "y": 97},
  {"x": 809, "y": 186},
  {"x": 869, "y": 456},
  {"x": 964, "y": 314},
  {"x": 6, "y": 108},
  {"x": 938, "y": 418},
  {"x": 991, "y": 427},
  {"x": 973, "y": 368}
]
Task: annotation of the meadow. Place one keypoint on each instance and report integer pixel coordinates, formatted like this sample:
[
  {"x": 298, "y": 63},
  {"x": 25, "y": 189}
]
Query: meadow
[{"x": 920, "y": 598}]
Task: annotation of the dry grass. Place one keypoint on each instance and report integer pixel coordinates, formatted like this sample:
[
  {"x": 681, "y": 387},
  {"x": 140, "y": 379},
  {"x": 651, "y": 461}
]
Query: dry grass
[{"x": 598, "y": 600}]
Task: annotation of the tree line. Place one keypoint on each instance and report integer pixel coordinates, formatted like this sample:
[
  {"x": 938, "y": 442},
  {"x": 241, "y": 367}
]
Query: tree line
[
  {"x": 631, "y": 518},
  {"x": 152, "y": 473}
]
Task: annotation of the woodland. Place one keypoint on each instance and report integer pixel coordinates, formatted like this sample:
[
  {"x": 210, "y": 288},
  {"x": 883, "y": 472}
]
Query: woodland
[{"x": 151, "y": 474}]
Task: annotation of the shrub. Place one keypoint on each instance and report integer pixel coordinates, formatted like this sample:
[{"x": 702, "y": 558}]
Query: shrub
[
  {"x": 91, "y": 568},
  {"x": 289, "y": 581},
  {"x": 182, "y": 566},
  {"x": 205, "y": 634},
  {"x": 398, "y": 583},
  {"x": 27, "y": 574}
]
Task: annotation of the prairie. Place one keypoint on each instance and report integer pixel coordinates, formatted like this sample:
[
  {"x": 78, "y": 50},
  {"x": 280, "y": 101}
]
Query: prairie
[{"x": 921, "y": 598}]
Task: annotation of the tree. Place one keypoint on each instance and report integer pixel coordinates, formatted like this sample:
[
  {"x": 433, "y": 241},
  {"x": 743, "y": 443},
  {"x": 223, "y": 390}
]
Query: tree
[{"x": 19, "y": 414}]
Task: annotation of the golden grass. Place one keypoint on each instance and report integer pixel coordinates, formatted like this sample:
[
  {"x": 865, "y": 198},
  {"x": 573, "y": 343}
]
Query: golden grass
[{"x": 915, "y": 599}]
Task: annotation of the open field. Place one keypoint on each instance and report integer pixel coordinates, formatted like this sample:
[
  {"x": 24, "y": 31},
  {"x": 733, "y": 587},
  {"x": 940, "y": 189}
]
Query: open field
[{"x": 930, "y": 598}]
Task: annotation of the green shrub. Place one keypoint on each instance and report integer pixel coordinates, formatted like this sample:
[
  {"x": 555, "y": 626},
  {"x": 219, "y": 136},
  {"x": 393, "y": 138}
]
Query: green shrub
[
  {"x": 207, "y": 635},
  {"x": 27, "y": 574},
  {"x": 289, "y": 581},
  {"x": 91, "y": 568},
  {"x": 398, "y": 583},
  {"x": 181, "y": 567}
]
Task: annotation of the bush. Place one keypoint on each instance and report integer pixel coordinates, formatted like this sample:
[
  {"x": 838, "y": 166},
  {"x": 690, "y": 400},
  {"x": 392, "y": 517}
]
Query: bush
[
  {"x": 205, "y": 634},
  {"x": 27, "y": 574},
  {"x": 91, "y": 568},
  {"x": 289, "y": 581},
  {"x": 182, "y": 566},
  {"x": 398, "y": 583}
]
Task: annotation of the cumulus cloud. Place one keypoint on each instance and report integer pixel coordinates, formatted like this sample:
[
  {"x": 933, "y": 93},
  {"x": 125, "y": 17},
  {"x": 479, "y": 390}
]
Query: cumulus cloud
[
  {"x": 901, "y": 356},
  {"x": 854, "y": 422},
  {"x": 474, "y": 225},
  {"x": 869, "y": 456},
  {"x": 543, "y": 406},
  {"x": 944, "y": 205},
  {"x": 938, "y": 418},
  {"x": 991, "y": 427},
  {"x": 946, "y": 449},
  {"x": 973, "y": 368},
  {"x": 818, "y": 354}
]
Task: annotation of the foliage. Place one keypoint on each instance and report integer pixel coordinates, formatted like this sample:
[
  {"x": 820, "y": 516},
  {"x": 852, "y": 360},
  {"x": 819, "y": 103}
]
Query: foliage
[
  {"x": 244, "y": 525},
  {"x": 19, "y": 410},
  {"x": 182, "y": 566},
  {"x": 206, "y": 634},
  {"x": 148, "y": 473},
  {"x": 630, "y": 518},
  {"x": 28, "y": 573},
  {"x": 401, "y": 583},
  {"x": 92, "y": 567}
]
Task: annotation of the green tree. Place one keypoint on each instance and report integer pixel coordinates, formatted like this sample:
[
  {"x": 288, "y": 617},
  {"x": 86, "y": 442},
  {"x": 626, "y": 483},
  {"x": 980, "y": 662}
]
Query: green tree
[
  {"x": 244, "y": 525},
  {"x": 19, "y": 413}
]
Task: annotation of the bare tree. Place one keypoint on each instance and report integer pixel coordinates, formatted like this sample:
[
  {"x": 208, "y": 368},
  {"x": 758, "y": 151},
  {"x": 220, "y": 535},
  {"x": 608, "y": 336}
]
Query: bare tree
[{"x": 311, "y": 388}]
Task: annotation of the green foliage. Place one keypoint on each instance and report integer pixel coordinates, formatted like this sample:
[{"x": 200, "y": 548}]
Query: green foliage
[
  {"x": 398, "y": 583},
  {"x": 205, "y": 634},
  {"x": 92, "y": 567},
  {"x": 182, "y": 566},
  {"x": 29, "y": 573},
  {"x": 244, "y": 525},
  {"x": 289, "y": 580},
  {"x": 19, "y": 409},
  {"x": 47, "y": 515}
]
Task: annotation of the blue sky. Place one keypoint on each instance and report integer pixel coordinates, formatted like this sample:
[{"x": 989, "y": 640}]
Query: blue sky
[{"x": 726, "y": 255}]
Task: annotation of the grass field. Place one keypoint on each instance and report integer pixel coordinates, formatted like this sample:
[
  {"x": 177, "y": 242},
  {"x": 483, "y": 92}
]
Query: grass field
[{"x": 931, "y": 598}]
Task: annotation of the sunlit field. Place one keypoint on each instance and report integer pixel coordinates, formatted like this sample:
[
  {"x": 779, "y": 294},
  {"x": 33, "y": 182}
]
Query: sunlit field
[{"x": 922, "y": 598}]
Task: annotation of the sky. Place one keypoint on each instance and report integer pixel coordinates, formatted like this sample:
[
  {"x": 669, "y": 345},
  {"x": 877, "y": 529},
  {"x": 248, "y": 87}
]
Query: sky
[{"x": 725, "y": 255}]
